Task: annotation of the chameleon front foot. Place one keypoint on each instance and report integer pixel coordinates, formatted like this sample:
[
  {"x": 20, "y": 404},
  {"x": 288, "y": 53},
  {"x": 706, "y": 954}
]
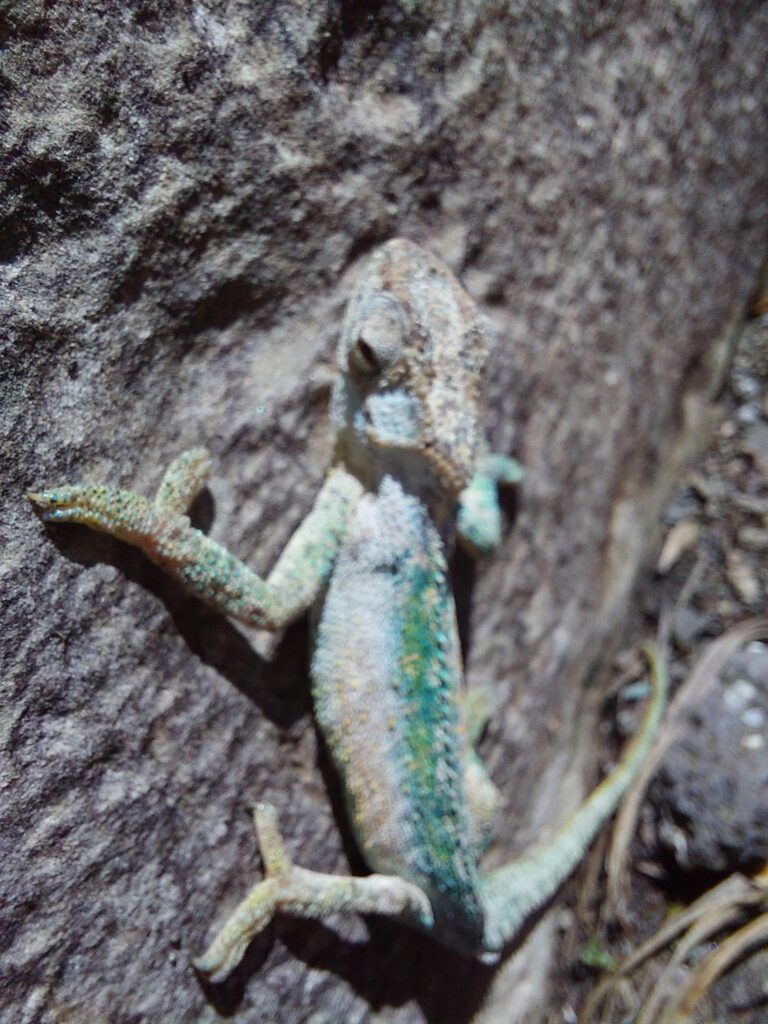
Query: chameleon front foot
[
  {"x": 292, "y": 890},
  {"x": 159, "y": 527},
  {"x": 183, "y": 480},
  {"x": 122, "y": 514},
  {"x": 125, "y": 514}
]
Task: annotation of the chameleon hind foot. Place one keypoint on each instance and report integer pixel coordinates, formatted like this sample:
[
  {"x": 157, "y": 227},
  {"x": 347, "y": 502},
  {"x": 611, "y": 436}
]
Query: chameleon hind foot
[{"x": 289, "y": 889}]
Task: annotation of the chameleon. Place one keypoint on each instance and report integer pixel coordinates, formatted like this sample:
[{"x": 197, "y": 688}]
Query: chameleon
[{"x": 411, "y": 474}]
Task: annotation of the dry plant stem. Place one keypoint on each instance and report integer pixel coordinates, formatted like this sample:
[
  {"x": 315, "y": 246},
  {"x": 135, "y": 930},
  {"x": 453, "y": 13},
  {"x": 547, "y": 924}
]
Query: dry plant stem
[
  {"x": 752, "y": 934},
  {"x": 736, "y": 891},
  {"x": 589, "y": 879},
  {"x": 665, "y": 986},
  {"x": 695, "y": 577},
  {"x": 617, "y": 910},
  {"x": 718, "y": 904},
  {"x": 701, "y": 679}
]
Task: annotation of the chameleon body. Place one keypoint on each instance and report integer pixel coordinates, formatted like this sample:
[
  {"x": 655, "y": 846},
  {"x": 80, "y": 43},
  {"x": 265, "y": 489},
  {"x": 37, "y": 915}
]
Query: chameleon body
[{"x": 410, "y": 474}]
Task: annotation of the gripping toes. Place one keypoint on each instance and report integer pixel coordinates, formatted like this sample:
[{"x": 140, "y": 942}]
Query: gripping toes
[
  {"x": 293, "y": 890},
  {"x": 183, "y": 481},
  {"x": 123, "y": 514},
  {"x": 257, "y": 909}
]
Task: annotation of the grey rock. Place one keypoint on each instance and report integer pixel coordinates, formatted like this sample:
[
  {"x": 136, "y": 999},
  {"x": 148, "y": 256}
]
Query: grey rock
[
  {"x": 756, "y": 438},
  {"x": 753, "y": 718},
  {"x": 750, "y": 664},
  {"x": 745, "y": 386},
  {"x": 186, "y": 189},
  {"x": 689, "y": 624},
  {"x": 739, "y": 695},
  {"x": 684, "y": 505},
  {"x": 711, "y": 793},
  {"x": 749, "y": 415}
]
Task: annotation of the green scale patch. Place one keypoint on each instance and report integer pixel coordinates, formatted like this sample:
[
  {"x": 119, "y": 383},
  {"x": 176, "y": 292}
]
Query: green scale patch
[{"x": 433, "y": 768}]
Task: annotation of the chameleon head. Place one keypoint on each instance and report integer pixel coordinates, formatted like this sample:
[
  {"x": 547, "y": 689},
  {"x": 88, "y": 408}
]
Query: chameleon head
[{"x": 411, "y": 358}]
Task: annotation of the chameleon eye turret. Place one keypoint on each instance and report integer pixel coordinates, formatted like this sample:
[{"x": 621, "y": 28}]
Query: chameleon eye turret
[{"x": 375, "y": 336}]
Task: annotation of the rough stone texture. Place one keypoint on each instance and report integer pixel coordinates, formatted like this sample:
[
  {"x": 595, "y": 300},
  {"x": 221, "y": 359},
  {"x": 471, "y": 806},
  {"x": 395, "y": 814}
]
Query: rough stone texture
[
  {"x": 185, "y": 187},
  {"x": 711, "y": 793}
]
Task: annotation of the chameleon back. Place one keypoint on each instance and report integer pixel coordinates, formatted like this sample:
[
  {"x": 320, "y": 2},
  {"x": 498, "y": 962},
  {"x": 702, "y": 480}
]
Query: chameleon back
[{"x": 385, "y": 671}]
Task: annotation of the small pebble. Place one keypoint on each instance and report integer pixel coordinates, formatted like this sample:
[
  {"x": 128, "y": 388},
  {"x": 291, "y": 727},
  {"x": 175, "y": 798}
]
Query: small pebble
[
  {"x": 755, "y": 741},
  {"x": 748, "y": 413},
  {"x": 745, "y": 387},
  {"x": 753, "y": 718},
  {"x": 728, "y": 428},
  {"x": 739, "y": 695}
]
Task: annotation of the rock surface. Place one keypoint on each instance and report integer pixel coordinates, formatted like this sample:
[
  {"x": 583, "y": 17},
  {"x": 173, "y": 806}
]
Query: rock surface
[
  {"x": 711, "y": 793},
  {"x": 186, "y": 189}
]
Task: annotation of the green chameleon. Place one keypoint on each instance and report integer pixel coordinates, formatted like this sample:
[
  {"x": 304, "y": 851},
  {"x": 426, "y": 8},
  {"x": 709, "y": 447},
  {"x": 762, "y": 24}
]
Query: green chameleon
[{"x": 410, "y": 474}]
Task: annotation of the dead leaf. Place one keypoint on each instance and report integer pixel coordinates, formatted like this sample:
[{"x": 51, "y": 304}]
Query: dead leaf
[
  {"x": 753, "y": 538},
  {"x": 683, "y": 536},
  {"x": 741, "y": 576}
]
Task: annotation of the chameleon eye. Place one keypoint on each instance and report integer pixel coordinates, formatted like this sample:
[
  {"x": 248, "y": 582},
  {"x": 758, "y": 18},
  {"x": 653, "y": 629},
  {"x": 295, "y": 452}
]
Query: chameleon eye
[
  {"x": 363, "y": 357},
  {"x": 376, "y": 340}
]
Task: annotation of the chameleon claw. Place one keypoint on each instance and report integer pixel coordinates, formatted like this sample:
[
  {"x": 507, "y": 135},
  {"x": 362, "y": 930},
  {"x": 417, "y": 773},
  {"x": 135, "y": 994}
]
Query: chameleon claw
[
  {"x": 61, "y": 498},
  {"x": 504, "y": 469},
  {"x": 43, "y": 499},
  {"x": 71, "y": 514},
  {"x": 69, "y": 504},
  {"x": 228, "y": 948},
  {"x": 54, "y": 506},
  {"x": 183, "y": 480}
]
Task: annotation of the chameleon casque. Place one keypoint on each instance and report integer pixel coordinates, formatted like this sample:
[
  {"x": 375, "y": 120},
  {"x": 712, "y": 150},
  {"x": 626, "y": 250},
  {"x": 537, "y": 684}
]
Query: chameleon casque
[{"x": 410, "y": 474}]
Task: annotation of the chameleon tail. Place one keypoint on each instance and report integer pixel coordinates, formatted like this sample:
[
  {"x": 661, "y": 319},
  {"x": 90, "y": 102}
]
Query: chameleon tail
[{"x": 514, "y": 891}]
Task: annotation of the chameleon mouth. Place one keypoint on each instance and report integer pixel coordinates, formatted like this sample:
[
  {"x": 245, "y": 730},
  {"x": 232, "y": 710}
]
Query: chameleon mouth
[{"x": 392, "y": 419}]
